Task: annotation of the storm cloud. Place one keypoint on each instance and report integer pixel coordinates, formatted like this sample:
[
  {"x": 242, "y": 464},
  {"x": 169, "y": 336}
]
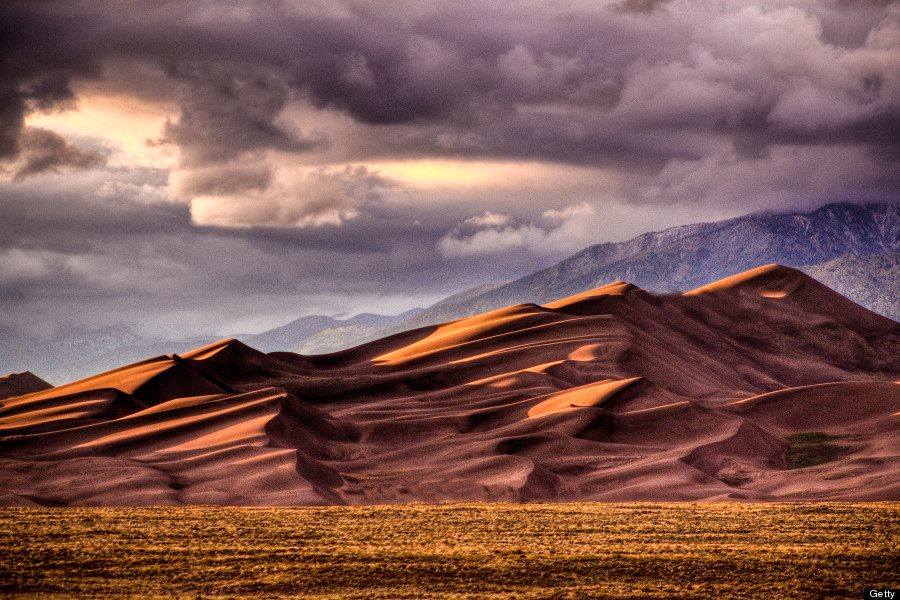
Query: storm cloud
[
  {"x": 289, "y": 157},
  {"x": 658, "y": 80},
  {"x": 41, "y": 151}
]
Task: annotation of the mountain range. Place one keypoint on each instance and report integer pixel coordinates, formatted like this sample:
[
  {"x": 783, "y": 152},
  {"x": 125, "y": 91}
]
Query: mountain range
[
  {"x": 855, "y": 249},
  {"x": 852, "y": 248},
  {"x": 766, "y": 385}
]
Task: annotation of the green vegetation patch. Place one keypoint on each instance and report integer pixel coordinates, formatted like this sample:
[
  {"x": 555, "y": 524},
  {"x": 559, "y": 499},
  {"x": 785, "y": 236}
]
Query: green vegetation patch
[
  {"x": 451, "y": 551},
  {"x": 812, "y": 448}
]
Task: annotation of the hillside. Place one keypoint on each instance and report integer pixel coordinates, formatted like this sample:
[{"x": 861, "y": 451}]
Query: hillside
[
  {"x": 872, "y": 281},
  {"x": 763, "y": 386}
]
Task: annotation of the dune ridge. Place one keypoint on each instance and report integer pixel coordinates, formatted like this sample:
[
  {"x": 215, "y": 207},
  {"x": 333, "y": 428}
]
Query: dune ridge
[
  {"x": 17, "y": 384},
  {"x": 764, "y": 386}
]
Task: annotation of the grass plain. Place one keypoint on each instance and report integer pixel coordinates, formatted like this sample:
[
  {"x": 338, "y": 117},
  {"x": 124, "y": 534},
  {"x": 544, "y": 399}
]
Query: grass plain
[{"x": 452, "y": 551}]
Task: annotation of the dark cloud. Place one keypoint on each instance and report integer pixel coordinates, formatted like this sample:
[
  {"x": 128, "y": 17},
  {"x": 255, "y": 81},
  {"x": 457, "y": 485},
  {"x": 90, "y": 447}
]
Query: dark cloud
[
  {"x": 84, "y": 211},
  {"x": 224, "y": 179},
  {"x": 479, "y": 78},
  {"x": 41, "y": 151},
  {"x": 640, "y": 6},
  {"x": 380, "y": 80},
  {"x": 43, "y": 45},
  {"x": 226, "y": 112},
  {"x": 12, "y": 113}
]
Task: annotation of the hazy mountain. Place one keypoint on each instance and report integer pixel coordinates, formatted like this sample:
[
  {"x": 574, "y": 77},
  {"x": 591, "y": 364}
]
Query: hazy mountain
[
  {"x": 67, "y": 347},
  {"x": 282, "y": 338},
  {"x": 872, "y": 281},
  {"x": 297, "y": 332},
  {"x": 322, "y": 333},
  {"x": 58, "y": 368},
  {"x": 690, "y": 256},
  {"x": 74, "y": 354},
  {"x": 339, "y": 337}
]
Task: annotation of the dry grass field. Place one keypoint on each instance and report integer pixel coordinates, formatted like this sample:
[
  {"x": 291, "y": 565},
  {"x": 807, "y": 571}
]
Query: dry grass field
[{"x": 478, "y": 551}]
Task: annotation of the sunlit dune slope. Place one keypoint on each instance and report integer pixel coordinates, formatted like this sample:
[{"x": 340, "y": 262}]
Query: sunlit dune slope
[{"x": 763, "y": 386}]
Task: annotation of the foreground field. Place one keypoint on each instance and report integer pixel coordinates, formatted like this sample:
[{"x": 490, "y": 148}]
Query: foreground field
[{"x": 452, "y": 551}]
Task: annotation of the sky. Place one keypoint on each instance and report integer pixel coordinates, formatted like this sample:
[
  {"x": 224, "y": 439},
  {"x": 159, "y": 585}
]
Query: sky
[{"x": 215, "y": 167}]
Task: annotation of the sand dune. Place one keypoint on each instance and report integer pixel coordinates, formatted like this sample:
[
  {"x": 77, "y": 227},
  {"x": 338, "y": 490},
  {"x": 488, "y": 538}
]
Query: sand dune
[
  {"x": 17, "y": 384},
  {"x": 763, "y": 386}
]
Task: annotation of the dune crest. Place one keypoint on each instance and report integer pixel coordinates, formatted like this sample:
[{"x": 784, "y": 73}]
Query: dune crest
[
  {"x": 617, "y": 288},
  {"x": 18, "y": 384},
  {"x": 592, "y": 394},
  {"x": 764, "y": 386},
  {"x": 769, "y": 281}
]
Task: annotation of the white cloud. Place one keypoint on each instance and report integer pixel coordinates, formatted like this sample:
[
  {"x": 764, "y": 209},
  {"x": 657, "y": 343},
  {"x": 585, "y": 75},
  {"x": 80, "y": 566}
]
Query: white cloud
[
  {"x": 561, "y": 230},
  {"x": 18, "y": 266},
  {"x": 569, "y": 212},
  {"x": 491, "y": 241},
  {"x": 143, "y": 193},
  {"x": 294, "y": 198},
  {"x": 489, "y": 219}
]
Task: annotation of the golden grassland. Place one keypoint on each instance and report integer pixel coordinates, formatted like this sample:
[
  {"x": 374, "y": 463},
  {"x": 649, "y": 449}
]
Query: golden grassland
[{"x": 477, "y": 551}]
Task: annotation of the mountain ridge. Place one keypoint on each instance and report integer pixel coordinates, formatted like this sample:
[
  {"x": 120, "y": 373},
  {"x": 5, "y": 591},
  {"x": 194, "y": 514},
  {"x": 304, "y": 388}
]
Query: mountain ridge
[
  {"x": 666, "y": 261},
  {"x": 697, "y": 263},
  {"x": 681, "y": 257}
]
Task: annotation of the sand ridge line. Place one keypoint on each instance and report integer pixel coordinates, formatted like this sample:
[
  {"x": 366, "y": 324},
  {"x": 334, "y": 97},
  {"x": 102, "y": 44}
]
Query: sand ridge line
[
  {"x": 585, "y": 396},
  {"x": 431, "y": 346}
]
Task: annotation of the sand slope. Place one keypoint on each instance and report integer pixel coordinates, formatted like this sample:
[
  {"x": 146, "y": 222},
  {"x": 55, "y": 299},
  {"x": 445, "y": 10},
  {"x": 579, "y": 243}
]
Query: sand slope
[
  {"x": 763, "y": 386},
  {"x": 17, "y": 384}
]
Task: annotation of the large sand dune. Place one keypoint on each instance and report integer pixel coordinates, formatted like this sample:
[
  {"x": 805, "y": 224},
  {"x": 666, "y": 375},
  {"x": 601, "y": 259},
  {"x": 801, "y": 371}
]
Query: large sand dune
[{"x": 763, "y": 386}]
